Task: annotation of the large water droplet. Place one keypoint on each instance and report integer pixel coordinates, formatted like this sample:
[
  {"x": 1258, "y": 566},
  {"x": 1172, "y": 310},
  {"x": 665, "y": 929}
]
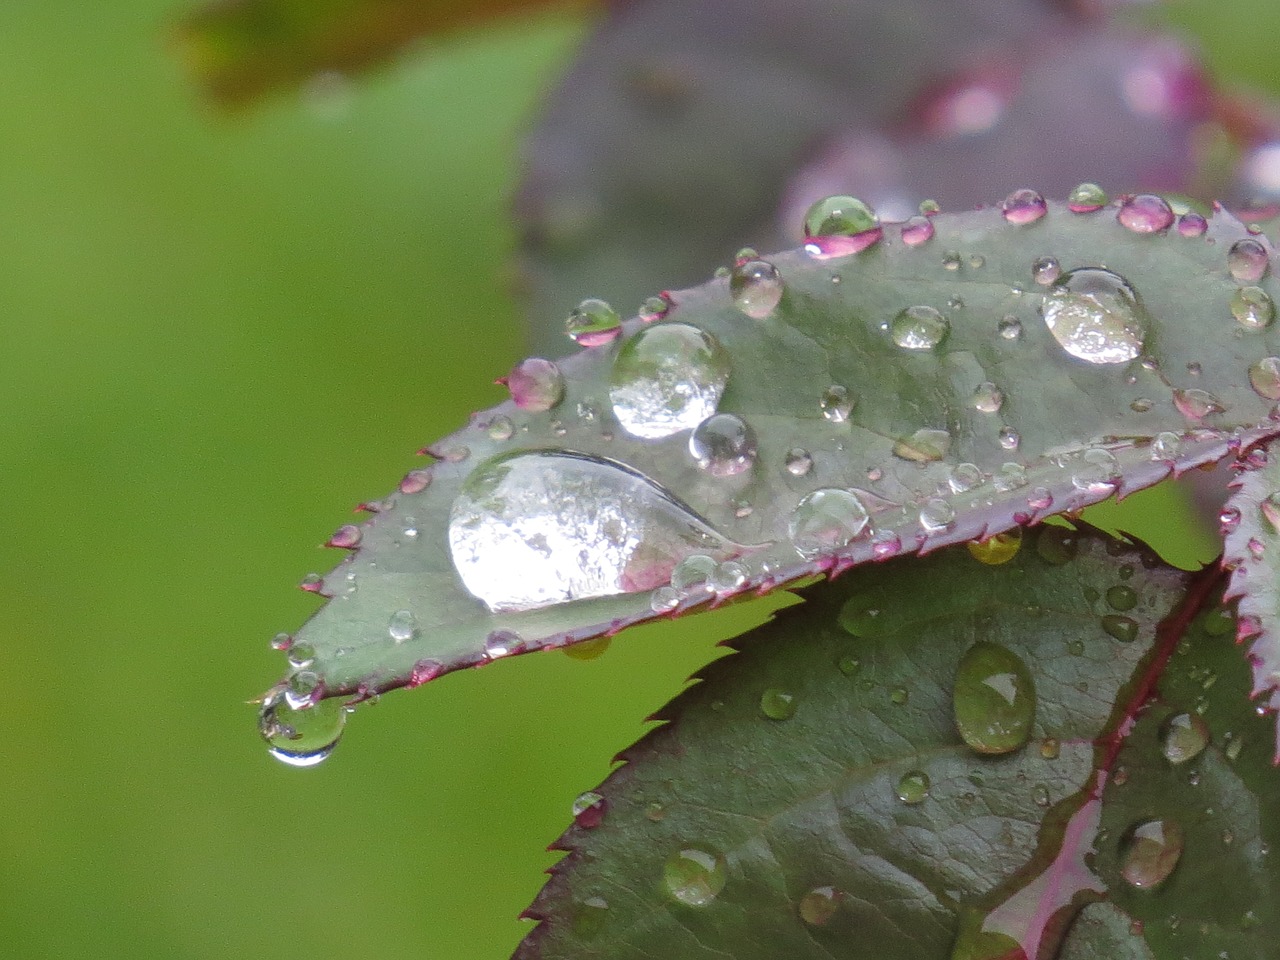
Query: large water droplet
[
  {"x": 1086, "y": 198},
  {"x": 1023, "y": 206},
  {"x": 724, "y": 445},
  {"x": 1252, "y": 307},
  {"x": 1145, "y": 213},
  {"x": 536, "y": 384},
  {"x": 1247, "y": 260},
  {"x": 826, "y": 520},
  {"x": 1096, "y": 316},
  {"x": 914, "y": 787},
  {"x": 593, "y": 323},
  {"x": 919, "y": 328},
  {"x": 301, "y": 737},
  {"x": 695, "y": 875},
  {"x": 534, "y": 528},
  {"x": 1150, "y": 851},
  {"x": 839, "y": 226},
  {"x": 666, "y": 379},
  {"x": 995, "y": 699},
  {"x": 756, "y": 288},
  {"x": 1183, "y": 737}
]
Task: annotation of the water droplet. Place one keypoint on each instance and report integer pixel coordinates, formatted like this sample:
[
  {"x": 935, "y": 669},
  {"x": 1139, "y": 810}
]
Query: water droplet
[
  {"x": 885, "y": 544},
  {"x": 1045, "y": 270},
  {"x": 402, "y": 626},
  {"x": 1086, "y": 198},
  {"x": 1009, "y": 438},
  {"x": 1197, "y": 404},
  {"x": 839, "y": 226},
  {"x": 589, "y": 917},
  {"x": 724, "y": 445},
  {"x": 998, "y": 549},
  {"x": 1009, "y": 328},
  {"x": 1252, "y": 307},
  {"x": 965, "y": 477},
  {"x": 500, "y": 428},
  {"x": 987, "y": 397},
  {"x": 914, "y": 787},
  {"x": 919, "y": 328},
  {"x": 1050, "y": 748},
  {"x": 589, "y": 810},
  {"x": 1183, "y": 737},
  {"x": 533, "y": 528},
  {"x": 937, "y": 515},
  {"x": 850, "y": 666},
  {"x": 664, "y": 600},
  {"x": 1023, "y": 207},
  {"x": 666, "y": 379},
  {"x": 778, "y": 704},
  {"x": 304, "y": 689},
  {"x": 1124, "y": 629},
  {"x": 1096, "y": 316},
  {"x": 1011, "y": 476},
  {"x": 1166, "y": 446},
  {"x": 587, "y": 649},
  {"x": 1264, "y": 377},
  {"x": 1040, "y": 499},
  {"x": 654, "y": 309},
  {"x": 415, "y": 481},
  {"x": 995, "y": 699},
  {"x": 301, "y": 737},
  {"x": 728, "y": 577},
  {"x": 1057, "y": 545},
  {"x": 899, "y": 696},
  {"x": 819, "y": 905},
  {"x": 825, "y": 521},
  {"x": 346, "y": 537},
  {"x": 695, "y": 875},
  {"x": 951, "y": 260},
  {"x": 1150, "y": 851},
  {"x": 1096, "y": 471},
  {"x": 1145, "y": 213},
  {"x": 917, "y": 231},
  {"x": 1247, "y": 261},
  {"x": 923, "y": 446},
  {"x": 655, "y": 812},
  {"x": 301, "y": 655},
  {"x": 536, "y": 384},
  {"x": 836, "y": 403},
  {"x": 502, "y": 643},
  {"x": 1228, "y": 519},
  {"x": 798, "y": 462},
  {"x": 1270, "y": 509},
  {"x": 593, "y": 323},
  {"x": 1191, "y": 225},
  {"x": 756, "y": 288},
  {"x": 694, "y": 573},
  {"x": 1040, "y": 795}
]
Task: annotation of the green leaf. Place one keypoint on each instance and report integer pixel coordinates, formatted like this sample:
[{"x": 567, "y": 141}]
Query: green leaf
[
  {"x": 816, "y": 853},
  {"x": 570, "y": 521}
]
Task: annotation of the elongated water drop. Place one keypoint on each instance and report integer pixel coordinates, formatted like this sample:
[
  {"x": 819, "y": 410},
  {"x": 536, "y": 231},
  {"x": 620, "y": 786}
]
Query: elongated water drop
[
  {"x": 923, "y": 446},
  {"x": 1183, "y": 737},
  {"x": 695, "y": 875},
  {"x": 827, "y": 520},
  {"x": 1096, "y": 316},
  {"x": 301, "y": 737},
  {"x": 667, "y": 378},
  {"x": 995, "y": 699},
  {"x": 1150, "y": 851},
  {"x": 534, "y": 528},
  {"x": 1197, "y": 404},
  {"x": 724, "y": 445},
  {"x": 839, "y": 226},
  {"x": 756, "y": 288},
  {"x": 1145, "y": 213}
]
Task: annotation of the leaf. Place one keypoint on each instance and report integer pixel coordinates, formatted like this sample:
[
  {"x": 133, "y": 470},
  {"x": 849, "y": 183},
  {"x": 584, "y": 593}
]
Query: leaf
[
  {"x": 813, "y": 850},
  {"x": 1251, "y": 521},
  {"x": 570, "y": 521},
  {"x": 238, "y": 50}
]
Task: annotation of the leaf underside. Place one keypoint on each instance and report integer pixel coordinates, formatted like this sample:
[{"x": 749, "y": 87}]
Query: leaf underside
[{"x": 821, "y": 858}]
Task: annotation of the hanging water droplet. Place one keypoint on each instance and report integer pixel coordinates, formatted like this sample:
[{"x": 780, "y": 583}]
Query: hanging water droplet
[
  {"x": 1011, "y": 476},
  {"x": 1057, "y": 545},
  {"x": 1096, "y": 316},
  {"x": 885, "y": 544},
  {"x": 756, "y": 288},
  {"x": 836, "y": 403},
  {"x": 965, "y": 477},
  {"x": 825, "y": 521},
  {"x": 591, "y": 649},
  {"x": 1192, "y": 225},
  {"x": 303, "y": 690},
  {"x": 301, "y": 737},
  {"x": 916, "y": 231},
  {"x": 588, "y": 810},
  {"x": 1096, "y": 471},
  {"x": 536, "y": 385},
  {"x": 919, "y": 328},
  {"x": 1023, "y": 206},
  {"x": 1264, "y": 377},
  {"x": 997, "y": 549},
  {"x": 923, "y": 446},
  {"x": 1086, "y": 198},
  {"x": 666, "y": 379},
  {"x": 502, "y": 643},
  {"x": 1197, "y": 404},
  {"x": 819, "y": 905},
  {"x": 1247, "y": 260},
  {"x": 778, "y": 704},
  {"x": 914, "y": 787},
  {"x": 798, "y": 462},
  {"x": 1183, "y": 737},
  {"x": 1145, "y": 213},
  {"x": 1150, "y": 851},
  {"x": 593, "y": 323},
  {"x": 1009, "y": 328},
  {"x": 728, "y": 577},
  {"x": 1009, "y": 438},
  {"x": 937, "y": 516},
  {"x": 301, "y": 655},
  {"x": 724, "y": 445},
  {"x": 1124, "y": 629},
  {"x": 995, "y": 699},
  {"x": 695, "y": 875},
  {"x": 1252, "y": 307},
  {"x": 987, "y": 397},
  {"x": 839, "y": 226},
  {"x": 1045, "y": 270},
  {"x": 534, "y": 528},
  {"x": 1166, "y": 446}
]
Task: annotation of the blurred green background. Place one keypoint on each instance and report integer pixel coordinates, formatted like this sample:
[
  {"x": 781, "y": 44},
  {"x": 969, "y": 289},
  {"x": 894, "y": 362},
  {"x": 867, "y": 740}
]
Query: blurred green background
[{"x": 216, "y": 336}]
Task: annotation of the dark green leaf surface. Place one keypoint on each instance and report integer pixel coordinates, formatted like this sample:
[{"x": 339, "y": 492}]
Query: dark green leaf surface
[{"x": 812, "y": 802}]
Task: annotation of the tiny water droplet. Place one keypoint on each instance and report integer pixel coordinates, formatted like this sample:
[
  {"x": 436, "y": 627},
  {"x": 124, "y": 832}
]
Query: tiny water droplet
[
  {"x": 723, "y": 445},
  {"x": 1150, "y": 851},
  {"x": 589, "y": 810},
  {"x": 923, "y": 446},
  {"x": 1252, "y": 307},
  {"x": 1045, "y": 270},
  {"x": 1234, "y": 744},
  {"x": 917, "y": 230},
  {"x": 1191, "y": 225},
  {"x": 913, "y": 787},
  {"x": 1009, "y": 328},
  {"x": 593, "y": 323},
  {"x": 937, "y": 515},
  {"x": 1183, "y": 737},
  {"x": 1050, "y": 748},
  {"x": 836, "y": 403},
  {"x": 695, "y": 875},
  {"x": 301, "y": 737},
  {"x": 850, "y": 666},
  {"x": 1096, "y": 316},
  {"x": 655, "y": 812},
  {"x": 839, "y": 226},
  {"x": 1124, "y": 629},
  {"x": 1195, "y": 404},
  {"x": 666, "y": 379},
  {"x": 778, "y": 704},
  {"x": 919, "y": 328},
  {"x": 728, "y": 577},
  {"x": 951, "y": 260},
  {"x": 798, "y": 462},
  {"x": 1247, "y": 261},
  {"x": 826, "y": 520},
  {"x": 994, "y": 699},
  {"x": 998, "y": 549},
  {"x": 987, "y": 397},
  {"x": 1023, "y": 206},
  {"x": 1097, "y": 470},
  {"x": 1040, "y": 795},
  {"x": 1145, "y": 213},
  {"x": 1086, "y": 198},
  {"x": 694, "y": 573},
  {"x": 819, "y": 905},
  {"x": 756, "y": 288},
  {"x": 1122, "y": 598},
  {"x": 1264, "y": 377}
]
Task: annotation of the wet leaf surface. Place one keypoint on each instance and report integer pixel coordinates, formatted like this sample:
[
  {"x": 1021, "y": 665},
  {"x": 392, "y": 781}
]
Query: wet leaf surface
[{"x": 859, "y": 823}]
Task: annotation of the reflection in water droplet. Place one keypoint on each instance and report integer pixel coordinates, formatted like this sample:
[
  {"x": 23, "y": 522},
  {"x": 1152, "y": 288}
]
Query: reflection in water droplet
[
  {"x": 588, "y": 810},
  {"x": 666, "y": 379},
  {"x": 695, "y": 875},
  {"x": 995, "y": 699},
  {"x": 1183, "y": 737},
  {"x": 756, "y": 288},
  {"x": 1040, "y": 498},
  {"x": 1150, "y": 851},
  {"x": 923, "y": 446},
  {"x": 654, "y": 309},
  {"x": 839, "y": 226},
  {"x": 1197, "y": 404},
  {"x": 664, "y": 600},
  {"x": 819, "y": 905},
  {"x": 301, "y": 737},
  {"x": 937, "y": 515},
  {"x": 1023, "y": 206},
  {"x": 589, "y": 917},
  {"x": 1012, "y": 476},
  {"x": 1264, "y": 377},
  {"x": 826, "y": 520},
  {"x": 502, "y": 643},
  {"x": 534, "y": 528},
  {"x": 1086, "y": 198},
  {"x": 1121, "y": 597},
  {"x": 1191, "y": 224},
  {"x": 919, "y": 328},
  {"x": 1009, "y": 328},
  {"x": 1124, "y": 629},
  {"x": 998, "y": 549},
  {"x": 1247, "y": 260},
  {"x": 1096, "y": 316},
  {"x": 899, "y": 696},
  {"x": 1096, "y": 471},
  {"x": 987, "y": 397},
  {"x": 724, "y": 445},
  {"x": 798, "y": 462},
  {"x": 914, "y": 787},
  {"x": 402, "y": 626},
  {"x": 694, "y": 573},
  {"x": 300, "y": 655},
  {"x": 965, "y": 477},
  {"x": 500, "y": 428},
  {"x": 1166, "y": 446},
  {"x": 593, "y": 323},
  {"x": 778, "y": 704},
  {"x": 1145, "y": 213},
  {"x": 1045, "y": 270},
  {"x": 836, "y": 404},
  {"x": 917, "y": 230},
  {"x": 1009, "y": 438},
  {"x": 1252, "y": 307}
]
